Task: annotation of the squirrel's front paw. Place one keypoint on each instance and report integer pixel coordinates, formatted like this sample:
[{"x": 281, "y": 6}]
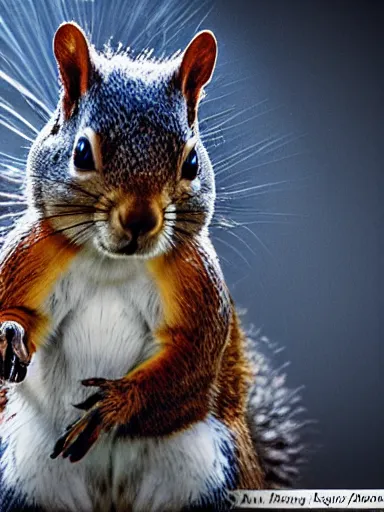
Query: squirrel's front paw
[
  {"x": 14, "y": 355},
  {"x": 81, "y": 435}
]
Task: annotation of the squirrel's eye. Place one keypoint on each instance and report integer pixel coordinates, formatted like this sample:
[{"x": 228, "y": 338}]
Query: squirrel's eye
[
  {"x": 190, "y": 166},
  {"x": 83, "y": 158}
]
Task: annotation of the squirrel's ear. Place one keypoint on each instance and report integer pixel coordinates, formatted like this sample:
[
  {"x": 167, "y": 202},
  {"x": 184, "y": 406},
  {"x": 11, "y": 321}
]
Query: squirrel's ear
[
  {"x": 196, "y": 69},
  {"x": 72, "y": 53}
]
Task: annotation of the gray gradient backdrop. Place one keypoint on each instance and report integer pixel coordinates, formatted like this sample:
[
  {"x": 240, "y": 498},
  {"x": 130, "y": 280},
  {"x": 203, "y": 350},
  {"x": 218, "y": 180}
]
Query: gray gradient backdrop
[
  {"x": 318, "y": 289},
  {"x": 322, "y": 294}
]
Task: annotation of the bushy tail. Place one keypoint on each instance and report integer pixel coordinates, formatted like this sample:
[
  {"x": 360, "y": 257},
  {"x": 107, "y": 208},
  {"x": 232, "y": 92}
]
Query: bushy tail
[{"x": 274, "y": 418}]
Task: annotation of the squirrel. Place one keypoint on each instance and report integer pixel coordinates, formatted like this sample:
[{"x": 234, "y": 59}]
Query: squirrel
[{"x": 130, "y": 387}]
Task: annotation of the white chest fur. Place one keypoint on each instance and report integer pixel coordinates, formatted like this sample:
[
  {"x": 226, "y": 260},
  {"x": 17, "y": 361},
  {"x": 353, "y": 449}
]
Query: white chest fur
[{"x": 104, "y": 316}]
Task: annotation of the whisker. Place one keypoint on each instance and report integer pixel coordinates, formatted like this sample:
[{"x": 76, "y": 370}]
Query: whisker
[
  {"x": 13, "y": 158},
  {"x": 10, "y": 215},
  {"x": 25, "y": 92},
  {"x": 66, "y": 214},
  {"x": 190, "y": 212},
  {"x": 169, "y": 239},
  {"x": 252, "y": 188},
  {"x": 182, "y": 219},
  {"x": 217, "y": 98},
  {"x": 240, "y": 239},
  {"x": 18, "y": 116},
  {"x": 15, "y": 130},
  {"x": 240, "y": 254},
  {"x": 10, "y": 180},
  {"x": 76, "y": 187},
  {"x": 258, "y": 148},
  {"x": 88, "y": 223},
  {"x": 239, "y": 114},
  {"x": 12, "y": 169},
  {"x": 258, "y": 166},
  {"x": 78, "y": 236},
  {"x": 220, "y": 165},
  {"x": 249, "y": 230},
  {"x": 178, "y": 229},
  {"x": 90, "y": 208},
  {"x": 14, "y": 204},
  {"x": 245, "y": 182},
  {"x": 215, "y": 116},
  {"x": 8, "y": 195}
]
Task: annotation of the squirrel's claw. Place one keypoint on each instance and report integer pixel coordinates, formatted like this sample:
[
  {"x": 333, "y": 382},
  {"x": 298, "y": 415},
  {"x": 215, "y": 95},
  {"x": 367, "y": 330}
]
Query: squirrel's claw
[
  {"x": 14, "y": 355},
  {"x": 89, "y": 402},
  {"x": 80, "y": 437}
]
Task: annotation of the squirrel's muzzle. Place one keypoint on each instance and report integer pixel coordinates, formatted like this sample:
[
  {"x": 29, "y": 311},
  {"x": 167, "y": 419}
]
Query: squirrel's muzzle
[{"x": 133, "y": 221}]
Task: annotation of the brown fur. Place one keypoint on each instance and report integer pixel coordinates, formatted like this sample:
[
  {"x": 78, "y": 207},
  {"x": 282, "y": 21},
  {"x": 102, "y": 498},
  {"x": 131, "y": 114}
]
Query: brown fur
[{"x": 28, "y": 271}]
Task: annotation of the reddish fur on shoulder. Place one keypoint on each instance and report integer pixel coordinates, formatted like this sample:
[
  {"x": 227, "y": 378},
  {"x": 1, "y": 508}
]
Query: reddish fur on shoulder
[{"x": 27, "y": 273}]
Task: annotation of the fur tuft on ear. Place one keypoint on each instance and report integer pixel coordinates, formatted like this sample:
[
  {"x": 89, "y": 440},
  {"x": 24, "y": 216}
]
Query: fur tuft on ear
[
  {"x": 72, "y": 54},
  {"x": 196, "y": 69}
]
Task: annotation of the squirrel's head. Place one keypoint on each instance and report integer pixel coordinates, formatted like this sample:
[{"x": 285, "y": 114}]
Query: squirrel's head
[{"x": 121, "y": 164}]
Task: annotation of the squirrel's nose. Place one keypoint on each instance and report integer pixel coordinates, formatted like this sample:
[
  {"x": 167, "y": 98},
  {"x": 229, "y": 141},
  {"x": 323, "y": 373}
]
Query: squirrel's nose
[{"x": 135, "y": 224}]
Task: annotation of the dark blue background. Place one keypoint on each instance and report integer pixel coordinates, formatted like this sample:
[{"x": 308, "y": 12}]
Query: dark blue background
[{"x": 322, "y": 294}]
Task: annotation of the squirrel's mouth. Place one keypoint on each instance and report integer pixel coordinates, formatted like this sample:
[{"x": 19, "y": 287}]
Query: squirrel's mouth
[
  {"x": 128, "y": 249},
  {"x": 135, "y": 247}
]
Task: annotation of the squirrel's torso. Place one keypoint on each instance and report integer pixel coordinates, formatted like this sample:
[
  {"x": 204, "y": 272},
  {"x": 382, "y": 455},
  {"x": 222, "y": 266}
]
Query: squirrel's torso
[{"x": 104, "y": 314}]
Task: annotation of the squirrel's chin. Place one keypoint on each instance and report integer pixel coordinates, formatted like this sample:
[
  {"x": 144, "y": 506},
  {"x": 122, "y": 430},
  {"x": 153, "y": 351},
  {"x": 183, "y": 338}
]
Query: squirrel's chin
[{"x": 130, "y": 251}]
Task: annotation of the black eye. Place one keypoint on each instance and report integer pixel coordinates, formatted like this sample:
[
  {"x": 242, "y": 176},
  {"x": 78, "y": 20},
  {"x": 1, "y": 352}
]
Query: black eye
[
  {"x": 83, "y": 158},
  {"x": 190, "y": 166}
]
